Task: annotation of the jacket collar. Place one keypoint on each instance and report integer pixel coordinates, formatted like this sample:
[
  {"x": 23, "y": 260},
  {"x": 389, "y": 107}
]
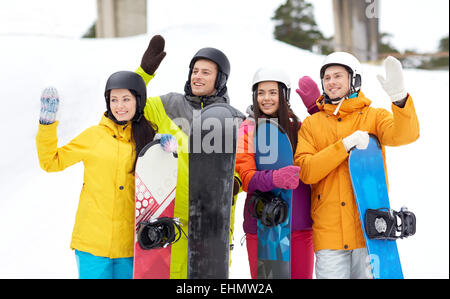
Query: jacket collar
[
  {"x": 200, "y": 102},
  {"x": 117, "y": 131},
  {"x": 348, "y": 106}
]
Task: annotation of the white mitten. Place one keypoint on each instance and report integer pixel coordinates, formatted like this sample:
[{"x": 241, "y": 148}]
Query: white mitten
[
  {"x": 393, "y": 83},
  {"x": 360, "y": 139}
]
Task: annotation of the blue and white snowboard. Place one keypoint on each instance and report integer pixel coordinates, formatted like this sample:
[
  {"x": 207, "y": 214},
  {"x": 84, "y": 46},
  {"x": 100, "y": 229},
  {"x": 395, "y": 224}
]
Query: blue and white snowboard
[
  {"x": 273, "y": 151},
  {"x": 369, "y": 186}
]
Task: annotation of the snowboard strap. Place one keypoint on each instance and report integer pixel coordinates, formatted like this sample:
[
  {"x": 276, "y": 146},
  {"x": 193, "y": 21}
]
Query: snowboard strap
[
  {"x": 387, "y": 224},
  {"x": 268, "y": 208},
  {"x": 159, "y": 232}
]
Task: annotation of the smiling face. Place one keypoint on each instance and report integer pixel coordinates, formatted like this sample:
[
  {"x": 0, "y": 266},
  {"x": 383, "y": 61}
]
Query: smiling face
[
  {"x": 122, "y": 104},
  {"x": 268, "y": 97},
  {"x": 336, "y": 82},
  {"x": 203, "y": 78}
]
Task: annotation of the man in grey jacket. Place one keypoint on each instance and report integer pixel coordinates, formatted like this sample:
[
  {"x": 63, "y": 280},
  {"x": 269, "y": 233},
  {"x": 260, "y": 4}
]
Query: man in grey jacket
[{"x": 173, "y": 113}]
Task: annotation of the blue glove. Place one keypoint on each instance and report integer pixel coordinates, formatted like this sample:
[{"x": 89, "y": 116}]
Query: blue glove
[
  {"x": 168, "y": 142},
  {"x": 49, "y": 106}
]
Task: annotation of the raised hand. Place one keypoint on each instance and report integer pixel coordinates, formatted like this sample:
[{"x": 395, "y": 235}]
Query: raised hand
[
  {"x": 153, "y": 55},
  {"x": 49, "y": 106}
]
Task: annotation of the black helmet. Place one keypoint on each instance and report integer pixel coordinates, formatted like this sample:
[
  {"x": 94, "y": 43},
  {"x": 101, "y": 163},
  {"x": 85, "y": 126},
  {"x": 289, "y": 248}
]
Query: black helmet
[
  {"x": 131, "y": 81},
  {"x": 214, "y": 55},
  {"x": 223, "y": 65}
]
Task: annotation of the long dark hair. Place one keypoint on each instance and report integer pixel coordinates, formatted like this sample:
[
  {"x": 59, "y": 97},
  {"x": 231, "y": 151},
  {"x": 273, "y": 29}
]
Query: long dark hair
[
  {"x": 286, "y": 117},
  {"x": 143, "y": 132}
]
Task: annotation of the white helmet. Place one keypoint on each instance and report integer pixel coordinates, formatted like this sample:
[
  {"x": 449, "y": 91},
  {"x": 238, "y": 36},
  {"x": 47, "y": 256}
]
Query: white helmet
[
  {"x": 348, "y": 61},
  {"x": 272, "y": 74}
]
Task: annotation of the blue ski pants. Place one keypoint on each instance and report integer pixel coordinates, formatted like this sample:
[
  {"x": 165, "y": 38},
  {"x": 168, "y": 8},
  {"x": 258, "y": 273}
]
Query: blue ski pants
[{"x": 98, "y": 267}]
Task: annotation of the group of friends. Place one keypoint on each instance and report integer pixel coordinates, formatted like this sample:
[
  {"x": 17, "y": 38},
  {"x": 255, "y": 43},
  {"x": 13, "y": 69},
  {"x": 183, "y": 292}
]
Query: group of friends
[{"x": 325, "y": 221}]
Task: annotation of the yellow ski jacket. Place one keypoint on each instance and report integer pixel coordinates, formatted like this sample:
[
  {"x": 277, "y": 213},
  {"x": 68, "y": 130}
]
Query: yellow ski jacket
[{"x": 104, "y": 223}]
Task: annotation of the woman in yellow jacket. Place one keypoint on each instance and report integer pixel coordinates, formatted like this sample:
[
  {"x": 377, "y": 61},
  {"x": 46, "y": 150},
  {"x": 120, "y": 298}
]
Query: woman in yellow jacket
[
  {"x": 103, "y": 236},
  {"x": 345, "y": 120}
]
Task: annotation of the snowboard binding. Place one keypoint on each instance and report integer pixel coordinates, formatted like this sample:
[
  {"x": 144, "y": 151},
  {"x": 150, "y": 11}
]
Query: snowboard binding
[
  {"x": 269, "y": 209},
  {"x": 387, "y": 224},
  {"x": 159, "y": 232}
]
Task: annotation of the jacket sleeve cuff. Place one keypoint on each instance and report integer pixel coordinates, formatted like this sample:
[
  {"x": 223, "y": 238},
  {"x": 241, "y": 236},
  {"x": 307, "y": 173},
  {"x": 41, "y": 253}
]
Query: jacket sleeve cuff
[
  {"x": 262, "y": 181},
  {"x": 140, "y": 71},
  {"x": 49, "y": 127},
  {"x": 401, "y": 103}
]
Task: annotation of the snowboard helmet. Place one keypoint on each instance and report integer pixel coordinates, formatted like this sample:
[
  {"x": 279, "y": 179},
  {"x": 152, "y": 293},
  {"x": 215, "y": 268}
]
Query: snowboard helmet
[
  {"x": 223, "y": 65},
  {"x": 271, "y": 74},
  {"x": 348, "y": 61},
  {"x": 134, "y": 83}
]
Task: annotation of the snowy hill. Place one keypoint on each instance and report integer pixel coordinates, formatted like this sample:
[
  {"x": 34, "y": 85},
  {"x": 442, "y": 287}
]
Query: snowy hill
[{"x": 37, "y": 209}]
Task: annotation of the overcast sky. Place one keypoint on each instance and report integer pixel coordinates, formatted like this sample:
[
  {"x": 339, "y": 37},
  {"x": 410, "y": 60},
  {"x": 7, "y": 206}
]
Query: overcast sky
[{"x": 414, "y": 24}]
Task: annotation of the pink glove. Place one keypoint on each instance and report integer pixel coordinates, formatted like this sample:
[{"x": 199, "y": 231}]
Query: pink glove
[
  {"x": 286, "y": 177},
  {"x": 309, "y": 93}
]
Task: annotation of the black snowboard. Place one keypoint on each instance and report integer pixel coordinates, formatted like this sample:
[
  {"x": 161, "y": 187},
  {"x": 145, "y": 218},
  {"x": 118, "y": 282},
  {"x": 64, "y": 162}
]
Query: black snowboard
[{"x": 212, "y": 154}]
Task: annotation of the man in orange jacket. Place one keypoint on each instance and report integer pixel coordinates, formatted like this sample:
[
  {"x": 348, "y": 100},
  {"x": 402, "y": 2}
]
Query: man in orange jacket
[{"x": 345, "y": 120}]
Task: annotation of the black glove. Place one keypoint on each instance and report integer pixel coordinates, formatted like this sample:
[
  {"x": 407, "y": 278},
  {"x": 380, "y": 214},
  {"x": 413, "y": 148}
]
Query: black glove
[{"x": 153, "y": 55}]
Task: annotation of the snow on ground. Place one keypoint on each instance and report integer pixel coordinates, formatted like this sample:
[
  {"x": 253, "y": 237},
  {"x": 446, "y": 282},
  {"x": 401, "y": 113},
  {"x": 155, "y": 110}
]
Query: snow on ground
[{"x": 37, "y": 209}]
